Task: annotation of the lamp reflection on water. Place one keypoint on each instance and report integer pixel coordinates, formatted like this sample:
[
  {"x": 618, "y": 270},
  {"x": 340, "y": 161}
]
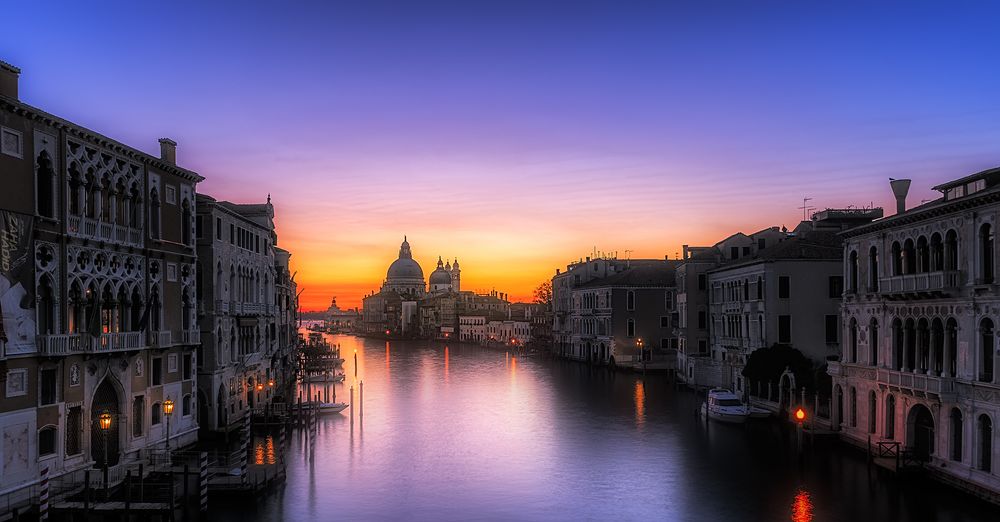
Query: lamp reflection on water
[
  {"x": 640, "y": 403},
  {"x": 263, "y": 451},
  {"x": 802, "y": 507}
]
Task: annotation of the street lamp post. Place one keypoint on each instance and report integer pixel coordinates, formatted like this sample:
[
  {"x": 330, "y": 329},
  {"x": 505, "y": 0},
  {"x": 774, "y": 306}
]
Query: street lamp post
[
  {"x": 104, "y": 421},
  {"x": 168, "y": 409},
  {"x": 642, "y": 356}
]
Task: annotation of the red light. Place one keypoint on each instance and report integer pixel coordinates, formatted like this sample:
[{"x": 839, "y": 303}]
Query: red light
[{"x": 800, "y": 415}]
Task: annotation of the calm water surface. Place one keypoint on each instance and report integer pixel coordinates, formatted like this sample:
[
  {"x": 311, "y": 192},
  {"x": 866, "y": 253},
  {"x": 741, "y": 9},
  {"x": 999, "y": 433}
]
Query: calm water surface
[{"x": 461, "y": 432}]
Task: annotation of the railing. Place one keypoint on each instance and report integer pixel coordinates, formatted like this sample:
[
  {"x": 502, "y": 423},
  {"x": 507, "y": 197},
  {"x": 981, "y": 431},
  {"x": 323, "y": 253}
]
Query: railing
[
  {"x": 221, "y": 306},
  {"x": 234, "y": 307},
  {"x": 923, "y": 282},
  {"x": 121, "y": 341},
  {"x": 191, "y": 337},
  {"x": 60, "y": 344},
  {"x": 81, "y": 226},
  {"x": 161, "y": 339},
  {"x": 916, "y": 381}
]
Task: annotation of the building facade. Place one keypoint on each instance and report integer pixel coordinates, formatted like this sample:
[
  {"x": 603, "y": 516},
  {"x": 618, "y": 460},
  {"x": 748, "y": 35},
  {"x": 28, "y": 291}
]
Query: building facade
[
  {"x": 921, "y": 308},
  {"x": 97, "y": 298},
  {"x": 239, "y": 326}
]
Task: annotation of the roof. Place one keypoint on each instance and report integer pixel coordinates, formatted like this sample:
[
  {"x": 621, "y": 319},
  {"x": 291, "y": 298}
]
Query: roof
[
  {"x": 816, "y": 246},
  {"x": 992, "y": 175},
  {"x": 928, "y": 210},
  {"x": 641, "y": 273}
]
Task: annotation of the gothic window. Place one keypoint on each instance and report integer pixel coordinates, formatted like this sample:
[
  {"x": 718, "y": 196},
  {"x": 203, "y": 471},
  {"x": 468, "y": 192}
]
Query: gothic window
[
  {"x": 986, "y": 253},
  {"x": 956, "y": 434},
  {"x": 986, "y": 349},
  {"x": 154, "y": 214},
  {"x": 45, "y": 176}
]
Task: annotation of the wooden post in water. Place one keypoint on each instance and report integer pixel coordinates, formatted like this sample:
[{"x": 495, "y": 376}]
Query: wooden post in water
[
  {"x": 361, "y": 401},
  {"x": 352, "y": 406}
]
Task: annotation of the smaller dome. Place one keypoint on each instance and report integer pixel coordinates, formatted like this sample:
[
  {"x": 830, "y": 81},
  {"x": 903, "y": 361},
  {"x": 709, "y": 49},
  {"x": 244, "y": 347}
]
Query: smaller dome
[{"x": 440, "y": 277}]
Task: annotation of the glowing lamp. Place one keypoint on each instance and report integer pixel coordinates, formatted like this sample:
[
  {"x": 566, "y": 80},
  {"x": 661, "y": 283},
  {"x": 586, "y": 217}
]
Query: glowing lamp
[
  {"x": 104, "y": 421},
  {"x": 270, "y": 383},
  {"x": 387, "y": 332},
  {"x": 260, "y": 386},
  {"x": 168, "y": 406},
  {"x": 800, "y": 415}
]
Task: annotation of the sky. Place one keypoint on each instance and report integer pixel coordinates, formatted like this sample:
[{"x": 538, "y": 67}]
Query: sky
[{"x": 521, "y": 136}]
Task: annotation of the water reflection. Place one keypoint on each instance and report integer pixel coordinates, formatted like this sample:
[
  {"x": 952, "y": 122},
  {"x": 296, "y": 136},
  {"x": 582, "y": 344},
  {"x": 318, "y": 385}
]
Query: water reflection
[
  {"x": 802, "y": 508},
  {"x": 640, "y": 404},
  {"x": 531, "y": 439}
]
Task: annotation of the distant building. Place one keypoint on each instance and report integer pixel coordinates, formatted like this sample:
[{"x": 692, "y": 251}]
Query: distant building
[
  {"x": 338, "y": 320},
  {"x": 920, "y": 317}
]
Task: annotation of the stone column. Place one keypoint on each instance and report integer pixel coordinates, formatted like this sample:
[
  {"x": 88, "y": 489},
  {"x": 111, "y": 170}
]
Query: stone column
[
  {"x": 949, "y": 349},
  {"x": 932, "y": 353}
]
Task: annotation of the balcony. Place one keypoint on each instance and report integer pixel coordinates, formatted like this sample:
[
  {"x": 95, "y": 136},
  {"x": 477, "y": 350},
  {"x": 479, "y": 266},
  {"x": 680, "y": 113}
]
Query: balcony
[
  {"x": 222, "y": 306},
  {"x": 190, "y": 337},
  {"x": 161, "y": 339},
  {"x": 88, "y": 228},
  {"x": 61, "y": 344},
  {"x": 916, "y": 382},
  {"x": 118, "y": 342},
  {"x": 923, "y": 284}
]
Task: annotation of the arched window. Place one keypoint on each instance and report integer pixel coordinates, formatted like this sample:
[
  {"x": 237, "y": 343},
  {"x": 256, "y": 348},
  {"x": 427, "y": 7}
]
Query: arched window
[
  {"x": 186, "y": 405},
  {"x": 186, "y": 222},
  {"x": 985, "y": 432},
  {"x": 986, "y": 350},
  {"x": 873, "y": 269},
  {"x": 890, "y": 417},
  {"x": 75, "y": 187},
  {"x": 852, "y": 272},
  {"x": 154, "y": 310},
  {"x": 136, "y": 310},
  {"x": 897, "y": 259},
  {"x": 897, "y": 345},
  {"x": 923, "y": 255},
  {"x": 873, "y": 342},
  {"x": 154, "y": 214},
  {"x": 853, "y": 334},
  {"x": 630, "y": 300},
  {"x": 760, "y": 287},
  {"x": 135, "y": 211},
  {"x": 937, "y": 253},
  {"x": 631, "y": 328},
  {"x": 155, "y": 417},
  {"x": 986, "y": 253},
  {"x": 872, "y": 412},
  {"x": 854, "y": 407},
  {"x": 951, "y": 250},
  {"x": 956, "y": 434},
  {"x": 45, "y": 175},
  {"x": 93, "y": 194},
  {"x": 47, "y": 441},
  {"x": 746, "y": 289},
  {"x": 46, "y": 307},
  {"x": 909, "y": 257}
]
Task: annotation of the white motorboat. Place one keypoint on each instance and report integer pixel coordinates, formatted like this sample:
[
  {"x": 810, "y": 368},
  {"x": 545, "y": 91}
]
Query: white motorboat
[
  {"x": 724, "y": 406},
  {"x": 332, "y": 407}
]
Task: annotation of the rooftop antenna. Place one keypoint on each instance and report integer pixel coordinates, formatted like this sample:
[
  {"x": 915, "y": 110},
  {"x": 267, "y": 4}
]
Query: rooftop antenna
[{"x": 805, "y": 207}]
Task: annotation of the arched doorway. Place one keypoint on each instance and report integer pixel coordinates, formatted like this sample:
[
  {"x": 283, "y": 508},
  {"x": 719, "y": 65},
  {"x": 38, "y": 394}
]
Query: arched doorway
[
  {"x": 220, "y": 408},
  {"x": 920, "y": 431},
  {"x": 105, "y": 400},
  {"x": 838, "y": 393}
]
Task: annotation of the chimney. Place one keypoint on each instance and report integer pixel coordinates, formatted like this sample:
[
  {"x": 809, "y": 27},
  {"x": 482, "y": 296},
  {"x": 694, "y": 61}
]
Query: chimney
[
  {"x": 900, "y": 187},
  {"x": 168, "y": 150},
  {"x": 8, "y": 80}
]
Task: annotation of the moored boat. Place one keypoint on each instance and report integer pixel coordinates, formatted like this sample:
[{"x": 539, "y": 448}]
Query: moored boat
[
  {"x": 332, "y": 407},
  {"x": 724, "y": 406}
]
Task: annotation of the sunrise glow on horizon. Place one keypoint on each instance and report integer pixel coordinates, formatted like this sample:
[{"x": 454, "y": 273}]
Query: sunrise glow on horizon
[{"x": 629, "y": 130}]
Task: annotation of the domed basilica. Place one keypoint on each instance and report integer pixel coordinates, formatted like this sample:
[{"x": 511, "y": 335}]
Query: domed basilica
[{"x": 406, "y": 278}]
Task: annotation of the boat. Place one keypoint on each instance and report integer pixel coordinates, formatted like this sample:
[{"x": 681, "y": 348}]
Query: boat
[
  {"x": 759, "y": 413},
  {"x": 324, "y": 377},
  {"x": 724, "y": 406},
  {"x": 332, "y": 407}
]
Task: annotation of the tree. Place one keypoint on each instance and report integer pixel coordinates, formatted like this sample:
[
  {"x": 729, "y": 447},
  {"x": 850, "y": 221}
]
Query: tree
[
  {"x": 767, "y": 364},
  {"x": 543, "y": 294}
]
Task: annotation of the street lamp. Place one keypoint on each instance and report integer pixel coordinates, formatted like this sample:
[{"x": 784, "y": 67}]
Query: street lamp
[
  {"x": 104, "y": 421},
  {"x": 168, "y": 409}
]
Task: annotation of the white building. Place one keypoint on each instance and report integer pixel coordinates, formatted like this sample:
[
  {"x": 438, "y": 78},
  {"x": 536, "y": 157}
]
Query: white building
[{"x": 920, "y": 314}]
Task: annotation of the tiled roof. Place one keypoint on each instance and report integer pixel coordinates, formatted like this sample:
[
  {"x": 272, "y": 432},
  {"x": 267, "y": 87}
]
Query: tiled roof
[{"x": 647, "y": 273}]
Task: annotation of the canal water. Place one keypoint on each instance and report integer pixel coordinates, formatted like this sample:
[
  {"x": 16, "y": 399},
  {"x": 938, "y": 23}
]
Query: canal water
[{"x": 462, "y": 432}]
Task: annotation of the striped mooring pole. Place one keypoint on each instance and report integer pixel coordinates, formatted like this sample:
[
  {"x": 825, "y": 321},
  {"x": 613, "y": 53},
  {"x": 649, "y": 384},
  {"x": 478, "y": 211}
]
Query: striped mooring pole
[
  {"x": 43, "y": 495},
  {"x": 244, "y": 446},
  {"x": 281, "y": 442},
  {"x": 203, "y": 481}
]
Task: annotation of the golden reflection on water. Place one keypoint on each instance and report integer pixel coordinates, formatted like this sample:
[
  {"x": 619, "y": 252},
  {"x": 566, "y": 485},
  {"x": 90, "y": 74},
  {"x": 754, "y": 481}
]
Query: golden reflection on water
[
  {"x": 446, "y": 360},
  {"x": 387, "y": 355},
  {"x": 640, "y": 403},
  {"x": 802, "y": 507},
  {"x": 263, "y": 451}
]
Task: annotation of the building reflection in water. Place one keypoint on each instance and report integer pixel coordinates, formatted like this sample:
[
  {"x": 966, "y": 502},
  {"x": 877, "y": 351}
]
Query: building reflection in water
[
  {"x": 447, "y": 359},
  {"x": 640, "y": 403},
  {"x": 802, "y": 507}
]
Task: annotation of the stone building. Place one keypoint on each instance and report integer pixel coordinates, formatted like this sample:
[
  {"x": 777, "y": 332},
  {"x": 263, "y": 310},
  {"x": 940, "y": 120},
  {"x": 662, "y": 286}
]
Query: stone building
[
  {"x": 97, "y": 298},
  {"x": 918, "y": 366},
  {"x": 615, "y": 319},
  {"x": 240, "y": 344}
]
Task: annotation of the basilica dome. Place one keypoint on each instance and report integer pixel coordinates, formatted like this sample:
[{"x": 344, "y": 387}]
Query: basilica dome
[{"x": 404, "y": 274}]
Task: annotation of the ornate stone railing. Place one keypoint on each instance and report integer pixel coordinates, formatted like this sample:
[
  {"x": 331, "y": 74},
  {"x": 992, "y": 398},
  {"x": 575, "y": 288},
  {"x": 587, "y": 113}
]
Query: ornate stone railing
[
  {"x": 916, "y": 381},
  {"x": 85, "y": 227},
  {"x": 160, "y": 339},
  {"x": 60, "y": 344},
  {"x": 222, "y": 306},
  {"x": 121, "y": 341},
  {"x": 190, "y": 336},
  {"x": 923, "y": 282}
]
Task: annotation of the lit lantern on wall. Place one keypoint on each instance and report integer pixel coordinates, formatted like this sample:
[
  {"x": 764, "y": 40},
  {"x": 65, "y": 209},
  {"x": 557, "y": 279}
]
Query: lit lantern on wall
[{"x": 104, "y": 421}]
